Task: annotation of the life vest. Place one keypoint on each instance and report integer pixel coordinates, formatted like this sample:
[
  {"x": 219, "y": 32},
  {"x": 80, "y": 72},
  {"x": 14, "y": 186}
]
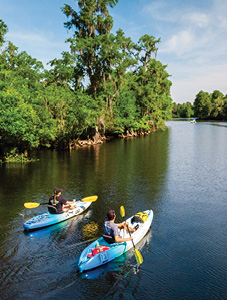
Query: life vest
[
  {"x": 97, "y": 250},
  {"x": 108, "y": 238},
  {"x": 54, "y": 202}
]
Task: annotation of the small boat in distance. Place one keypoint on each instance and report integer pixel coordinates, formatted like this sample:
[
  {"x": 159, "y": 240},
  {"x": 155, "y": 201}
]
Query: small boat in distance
[{"x": 193, "y": 120}]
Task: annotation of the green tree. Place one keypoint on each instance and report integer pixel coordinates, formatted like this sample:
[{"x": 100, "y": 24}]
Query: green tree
[
  {"x": 174, "y": 110},
  {"x": 62, "y": 71},
  {"x": 202, "y": 105},
  {"x": 91, "y": 43},
  {"x": 189, "y": 110},
  {"x": 153, "y": 93},
  {"x": 225, "y": 108},
  {"x": 18, "y": 122},
  {"x": 127, "y": 89},
  {"x": 125, "y": 112},
  {"x": 210, "y": 106},
  {"x": 147, "y": 44},
  {"x": 184, "y": 110},
  {"x": 116, "y": 77},
  {"x": 21, "y": 128},
  {"x": 217, "y": 104},
  {"x": 3, "y": 31}
]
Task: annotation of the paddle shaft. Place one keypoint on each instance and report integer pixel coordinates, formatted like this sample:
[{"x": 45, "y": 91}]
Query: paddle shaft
[
  {"x": 129, "y": 233},
  {"x": 139, "y": 257},
  {"x": 73, "y": 202},
  {"x": 35, "y": 204},
  {"x": 44, "y": 203},
  {"x": 48, "y": 202}
]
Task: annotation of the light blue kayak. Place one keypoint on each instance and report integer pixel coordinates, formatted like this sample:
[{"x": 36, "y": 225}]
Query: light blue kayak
[
  {"x": 48, "y": 219},
  {"x": 87, "y": 261}
]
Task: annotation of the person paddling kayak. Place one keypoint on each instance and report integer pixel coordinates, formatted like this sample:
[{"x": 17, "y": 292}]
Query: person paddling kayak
[
  {"x": 57, "y": 204},
  {"x": 112, "y": 230}
]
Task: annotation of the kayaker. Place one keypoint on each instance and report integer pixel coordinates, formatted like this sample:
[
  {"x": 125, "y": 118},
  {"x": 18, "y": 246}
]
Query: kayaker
[
  {"x": 57, "y": 204},
  {"x": 112, "y": 229}
]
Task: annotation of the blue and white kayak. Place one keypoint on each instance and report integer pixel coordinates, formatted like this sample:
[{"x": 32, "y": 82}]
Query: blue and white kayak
[
  {"x": 87, "y": 261},
  {"x": 48, "y": 219}
]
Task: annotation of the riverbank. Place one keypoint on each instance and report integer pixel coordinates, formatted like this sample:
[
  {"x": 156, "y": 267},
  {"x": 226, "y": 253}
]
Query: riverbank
[
  {"x": 93, "y": 139},
  {"x": 99, "y": 139}
]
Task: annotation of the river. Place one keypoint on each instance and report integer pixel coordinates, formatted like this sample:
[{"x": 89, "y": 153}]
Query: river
[{"x": 180, "y": 174}]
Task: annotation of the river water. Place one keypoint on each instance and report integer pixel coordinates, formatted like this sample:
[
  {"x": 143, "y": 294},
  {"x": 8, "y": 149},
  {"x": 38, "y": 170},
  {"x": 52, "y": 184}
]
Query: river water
[{"x": 180, "y": 174}]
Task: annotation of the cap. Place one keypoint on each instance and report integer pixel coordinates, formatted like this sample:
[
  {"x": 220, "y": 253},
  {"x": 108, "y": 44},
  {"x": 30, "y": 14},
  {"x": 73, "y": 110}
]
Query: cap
[
  {"x": 111, "y": 214},
  {"x": 57, "y": 191}
]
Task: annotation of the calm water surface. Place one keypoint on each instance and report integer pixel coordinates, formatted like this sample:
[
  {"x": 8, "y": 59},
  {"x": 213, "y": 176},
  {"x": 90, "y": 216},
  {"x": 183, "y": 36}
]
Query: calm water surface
[{"x": 180, "y": 174}]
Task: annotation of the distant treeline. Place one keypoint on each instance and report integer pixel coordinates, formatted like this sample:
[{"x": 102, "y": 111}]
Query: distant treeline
[
  {"x": 206, "y": 106},
  {"x": 126, "y": 89}
]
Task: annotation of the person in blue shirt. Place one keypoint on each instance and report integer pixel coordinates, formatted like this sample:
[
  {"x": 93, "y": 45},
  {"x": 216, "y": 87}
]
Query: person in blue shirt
[{"x": 112, "y": 229}]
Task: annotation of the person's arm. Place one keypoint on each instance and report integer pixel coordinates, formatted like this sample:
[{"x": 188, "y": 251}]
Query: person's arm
[
  {"x": 71, "y": 202},
  {"x": 120, "y": 240},
  {"x": 66, "y": 204},
  {"x": 117, "y": 238},
  {"x": 124, "y": 225}
]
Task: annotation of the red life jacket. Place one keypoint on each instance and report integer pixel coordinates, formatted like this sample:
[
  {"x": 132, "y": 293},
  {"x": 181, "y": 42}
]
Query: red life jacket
[{"x": 98, "y": 250}]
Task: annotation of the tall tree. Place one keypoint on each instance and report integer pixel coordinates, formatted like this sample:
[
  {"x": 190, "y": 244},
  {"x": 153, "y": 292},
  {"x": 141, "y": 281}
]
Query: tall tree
[
  {"x": 92, "y": 40},
  {"x": 202, "y": 105},
  {"x": 217, "y": 102},
  {"x": 153, "y": 93},
  {"x": 147, "y": 44}
]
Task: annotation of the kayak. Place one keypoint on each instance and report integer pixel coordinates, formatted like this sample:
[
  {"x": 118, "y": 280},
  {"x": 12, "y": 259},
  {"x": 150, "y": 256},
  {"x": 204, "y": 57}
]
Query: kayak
[
  {"x": 59, "y": 228},
  {"x": 100, "y": 252},
  {"x": 48, "y": 219},
  {"x": 119, "y": 264}
]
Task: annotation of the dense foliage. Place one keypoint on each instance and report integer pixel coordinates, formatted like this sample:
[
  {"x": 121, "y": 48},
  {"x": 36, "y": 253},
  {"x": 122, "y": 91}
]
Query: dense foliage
[
  {"x": 185, "y": 110},
  {"x": 206, "y": 106},
  {"x": 126, "y": 89},
  {"x": 211, "y": 106}
]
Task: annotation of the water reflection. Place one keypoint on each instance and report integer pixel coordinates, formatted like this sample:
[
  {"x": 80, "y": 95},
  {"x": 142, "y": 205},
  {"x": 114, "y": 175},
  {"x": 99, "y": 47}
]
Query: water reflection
[
  {"x": 121, "y": 172},
  {"x": 179, "y": 173}
]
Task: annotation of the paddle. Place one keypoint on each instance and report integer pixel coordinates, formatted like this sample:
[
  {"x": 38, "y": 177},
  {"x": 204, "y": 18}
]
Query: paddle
[
  {"x": 35, "y": 204},
  {"x": 138, "y": 255}
]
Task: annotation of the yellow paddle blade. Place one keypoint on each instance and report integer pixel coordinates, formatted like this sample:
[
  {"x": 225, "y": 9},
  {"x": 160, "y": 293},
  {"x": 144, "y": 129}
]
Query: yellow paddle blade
[
  {"x": 90, "y": 199},
  {"x": 122, "y": 211},
  {"x": 139, "y": 257},
  {"x": 31, "y": 204}
]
